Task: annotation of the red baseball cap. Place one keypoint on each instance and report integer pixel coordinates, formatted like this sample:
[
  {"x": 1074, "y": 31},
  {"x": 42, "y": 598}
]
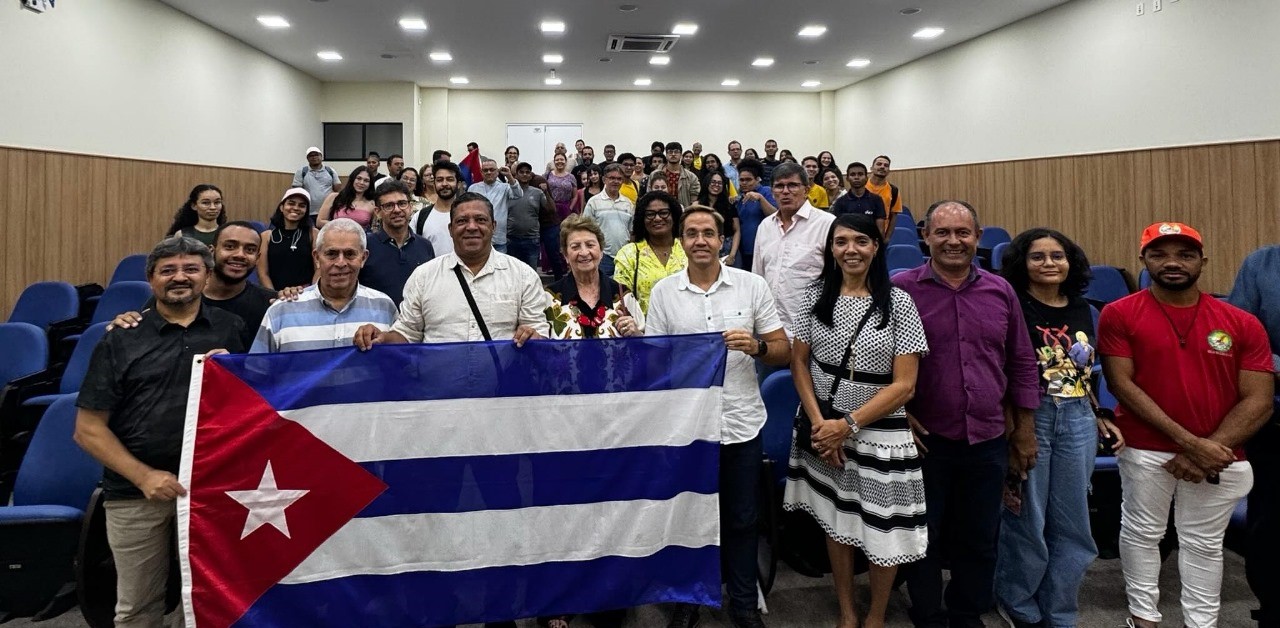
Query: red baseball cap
[{"x": 1161, "y": 230}]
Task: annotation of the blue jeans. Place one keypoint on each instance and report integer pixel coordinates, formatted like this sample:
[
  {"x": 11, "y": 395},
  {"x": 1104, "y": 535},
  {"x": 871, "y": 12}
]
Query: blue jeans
[
  {"x": 739, "y": 511},
  {"x": 962, "y": 491},
  {"x": 1045, "y": 551},
  {"x": 551, "y": 248},
  {"x": 524, "y": 249}
]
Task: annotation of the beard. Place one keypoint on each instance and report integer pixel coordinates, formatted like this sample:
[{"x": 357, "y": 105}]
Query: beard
[
  {"x": 1176, "y": 286},
  {"x": 445, "y": 192},
  {"x": 177, "y": 301},
  {"x": 220, "y": 271}
]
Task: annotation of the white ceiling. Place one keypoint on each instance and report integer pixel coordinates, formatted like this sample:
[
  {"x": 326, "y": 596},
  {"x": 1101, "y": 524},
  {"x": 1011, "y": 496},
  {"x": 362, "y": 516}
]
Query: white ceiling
[{"x": 497, "y": 44}]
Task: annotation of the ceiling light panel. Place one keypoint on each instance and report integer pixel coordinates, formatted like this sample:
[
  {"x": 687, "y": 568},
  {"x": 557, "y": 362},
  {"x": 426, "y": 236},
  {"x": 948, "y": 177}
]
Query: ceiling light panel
[
  {"x": 552, "y": 58},
  {"x": 459, "y": 80},
  {"x": 552, "y": 26},
  {"x": 762, "y": 62},
  {"x": 810, "y": 83},
  {"x": 643, "y": 82},
  {"x": 929, "y": 32},
  {"x": 812, "y": 31},
  {"x": 273, "y": 21},
  {"x": 329, "y": 55},
  {"x": 729, "y": 82},
  {"x": 684, "y": 28},
  {"x": 858, "y": 63},
  {"x": 659, "y": 60},
  {"x": 440, "y": 57},
  {"x": 415, "y": 24},
  {"x": 551, "y": 81}
]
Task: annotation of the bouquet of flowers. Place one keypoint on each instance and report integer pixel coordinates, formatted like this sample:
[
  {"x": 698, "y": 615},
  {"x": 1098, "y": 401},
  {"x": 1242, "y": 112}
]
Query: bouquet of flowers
[{"x": 571, "y": 321}]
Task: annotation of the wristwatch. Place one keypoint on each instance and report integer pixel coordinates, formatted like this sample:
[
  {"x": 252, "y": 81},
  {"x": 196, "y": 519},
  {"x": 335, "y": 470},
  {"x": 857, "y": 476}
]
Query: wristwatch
[
  {"x": 853, "y": 424},
  {"x": 762, "y": 348}
]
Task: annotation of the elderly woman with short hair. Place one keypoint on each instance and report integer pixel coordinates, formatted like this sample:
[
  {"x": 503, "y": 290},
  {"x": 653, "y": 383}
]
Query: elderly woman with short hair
[{"x": 585, "y": 301}]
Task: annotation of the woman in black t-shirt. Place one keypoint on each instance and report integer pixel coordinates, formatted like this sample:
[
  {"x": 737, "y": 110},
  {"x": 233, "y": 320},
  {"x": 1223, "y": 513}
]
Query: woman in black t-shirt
[{"x": 1045, "y": 542}]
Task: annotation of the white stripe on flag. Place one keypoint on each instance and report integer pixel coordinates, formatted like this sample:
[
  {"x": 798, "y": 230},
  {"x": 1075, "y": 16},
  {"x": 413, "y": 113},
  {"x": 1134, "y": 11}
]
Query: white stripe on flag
[
  {"x": 527, "y": 536},
  {"x": 393, "y": 430}
]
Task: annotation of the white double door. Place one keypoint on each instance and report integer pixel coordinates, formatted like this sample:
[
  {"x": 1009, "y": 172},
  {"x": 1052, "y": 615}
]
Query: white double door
[{"x": 537, "y": 142}]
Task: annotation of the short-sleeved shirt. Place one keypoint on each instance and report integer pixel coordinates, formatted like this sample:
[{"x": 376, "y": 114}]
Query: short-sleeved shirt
[
  {"x": 435, "y": 228},
  {"x": 1257, "y": 292},
  {"x": 614, "y": 215},
  {"x": 790, "y": 260},
  {"x": 507, "y": 292},
  {"x": 140, "y": 376},
  {"x": 1197, "y": 384},
  {"x": 818, "y": 196},
  {"x": 311, "y": 322},
  {"x": 885, "y": 192},
  {"x": 500, "y": 193},
  {"x": 318, "y": 183},
  {"x": 979, "y": 354},
  {"x": 638, "y": 268},
  {"x": 390, "y": 264},
  {"x": 750, "y": 215},
  {"x": 205, "y": 237},
  {"x": 522, "y": 219},
  {"x": 737, "y": 300},
  {"x": 250, "y": 305},
  {"x": 1065, "y": 345},
  {"x": 869, "y": 204}
]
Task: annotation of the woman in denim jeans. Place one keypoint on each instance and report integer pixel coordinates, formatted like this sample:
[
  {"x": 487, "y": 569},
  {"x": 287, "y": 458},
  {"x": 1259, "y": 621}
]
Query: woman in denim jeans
[{"x": 1045, "y": 543}]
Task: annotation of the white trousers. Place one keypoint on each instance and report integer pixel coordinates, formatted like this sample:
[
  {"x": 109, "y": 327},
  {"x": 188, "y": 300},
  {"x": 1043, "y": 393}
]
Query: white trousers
[{"x": 1201, "y": 516}]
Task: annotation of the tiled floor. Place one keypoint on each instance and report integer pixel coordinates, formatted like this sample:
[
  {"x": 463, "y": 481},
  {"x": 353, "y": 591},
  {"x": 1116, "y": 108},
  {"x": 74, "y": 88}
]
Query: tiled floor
[{"x": 801, "y": 602}]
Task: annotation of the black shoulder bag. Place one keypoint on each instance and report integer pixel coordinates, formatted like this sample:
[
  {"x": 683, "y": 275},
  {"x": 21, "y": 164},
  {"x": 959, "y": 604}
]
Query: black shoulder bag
[
  {"x": 471, "y": 301},
  {"x": 804, "y": 429}
]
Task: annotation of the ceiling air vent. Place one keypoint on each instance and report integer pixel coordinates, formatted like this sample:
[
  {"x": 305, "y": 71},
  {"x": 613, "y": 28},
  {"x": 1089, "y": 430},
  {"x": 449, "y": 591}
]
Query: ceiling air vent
[{"x": 642, "y": 43}]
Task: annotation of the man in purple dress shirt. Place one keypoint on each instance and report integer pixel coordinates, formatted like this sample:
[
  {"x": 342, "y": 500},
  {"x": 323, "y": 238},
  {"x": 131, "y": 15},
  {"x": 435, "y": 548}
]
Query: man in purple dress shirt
[{"x": 972, "y": 414}]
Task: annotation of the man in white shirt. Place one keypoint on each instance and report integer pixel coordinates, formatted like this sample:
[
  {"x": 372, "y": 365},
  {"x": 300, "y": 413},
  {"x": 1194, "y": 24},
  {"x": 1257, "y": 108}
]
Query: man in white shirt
[
  {"x": 498, "y": 193},
  {"x": 614, "y": 213},
  {"x": 789, "y": 243},
  {"x": 507, "y": 293},
  {"x": 432, "y": 221},
  {"x": 708, "y": 296}
]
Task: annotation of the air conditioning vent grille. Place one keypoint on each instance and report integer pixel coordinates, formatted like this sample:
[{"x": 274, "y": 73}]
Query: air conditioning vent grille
[{"x": 642, "y": 43}]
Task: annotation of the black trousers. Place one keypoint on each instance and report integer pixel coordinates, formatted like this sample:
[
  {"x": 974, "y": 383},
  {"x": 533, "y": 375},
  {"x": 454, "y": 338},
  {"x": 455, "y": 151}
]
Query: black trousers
[
  {"x": 963, "y": 485},
  {"x": 1262, "y": 553}
]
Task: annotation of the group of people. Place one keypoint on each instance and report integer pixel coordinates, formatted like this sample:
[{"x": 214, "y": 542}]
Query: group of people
[{"x": 949, "y": 416}]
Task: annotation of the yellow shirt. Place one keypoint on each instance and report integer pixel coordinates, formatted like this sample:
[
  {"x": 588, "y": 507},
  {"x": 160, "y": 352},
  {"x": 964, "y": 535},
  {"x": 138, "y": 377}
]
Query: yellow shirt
[
  {"x": 639, "y": 275},
  {"x": 818, "y": 197},
  {"x": 629, "y": 190}
]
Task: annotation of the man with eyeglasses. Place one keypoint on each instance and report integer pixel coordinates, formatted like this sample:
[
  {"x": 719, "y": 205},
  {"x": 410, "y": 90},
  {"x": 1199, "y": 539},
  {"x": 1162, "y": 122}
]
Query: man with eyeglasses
[
  {"x": 394, "y": 252},
  {"x": 327, "y": 313},
  {"x": 789, "y": 242},
  {"x": 708, "y": 296},
  {"x": 682, "y": 183},
  {"x": 613, "y": 212},
  {"x": 498, "y": 193}
]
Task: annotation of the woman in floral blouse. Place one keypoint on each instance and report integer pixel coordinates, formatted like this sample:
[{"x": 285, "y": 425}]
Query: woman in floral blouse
[{"x": 585, "y": 302}]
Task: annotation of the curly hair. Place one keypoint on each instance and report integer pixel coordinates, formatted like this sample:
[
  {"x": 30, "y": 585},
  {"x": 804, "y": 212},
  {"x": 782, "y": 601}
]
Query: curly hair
[
  {"x": 639, "y": 229},
  {"x": 1014, "y": 268}
]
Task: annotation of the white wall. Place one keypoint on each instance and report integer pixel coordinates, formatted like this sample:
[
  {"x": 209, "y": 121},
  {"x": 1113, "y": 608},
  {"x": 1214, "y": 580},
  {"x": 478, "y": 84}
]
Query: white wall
[
  {"x": 1088, "y": 76},
  {"x": 135, "y": 78},
  {"x": 371, "y": 103},
  {"x": 631, "y": 121}
]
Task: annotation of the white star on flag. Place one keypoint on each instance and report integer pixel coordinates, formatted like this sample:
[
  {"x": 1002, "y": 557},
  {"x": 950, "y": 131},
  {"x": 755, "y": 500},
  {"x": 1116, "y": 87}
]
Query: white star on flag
[{"x": 266, "y": 504}]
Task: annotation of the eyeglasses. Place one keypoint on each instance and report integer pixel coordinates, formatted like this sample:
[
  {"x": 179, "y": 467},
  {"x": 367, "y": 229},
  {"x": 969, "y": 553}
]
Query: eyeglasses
[
  {"x": 401, "y": 204},
  {"x": 662, "y": 214},
  {"x": 706, "y": 234},
  {"x": 715, "y": 182},
  {"x": 788, "y": 187},
  {"x": 1039, "y": 258}
]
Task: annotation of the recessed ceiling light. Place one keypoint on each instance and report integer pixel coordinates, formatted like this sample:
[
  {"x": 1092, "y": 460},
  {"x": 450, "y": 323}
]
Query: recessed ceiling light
[
  {"x": 659, "y": 60},
  {"x": 643, "y": 82},
  {"x": 729, "y": 82},
  {"x": 763, "y": 62},
  {"x": 684, "y": 28},
  {"x": 552, "y": 27},
  {"x": 552, "y": 58},
  {"x": 329, "y": 55},
  {"x": 627, "y": 8},
  {"x": 413, "y": 24},
  {"x": 909, "y": 11},
  {"x": 816, "y": 30},
  {"x": 811, "y": 62},
  {"x": 458, "y": 80},
  {"x": 810, "y": 83},
  {"x": 551, "y": 81},
  {"x": 273, "y": 21},
  {"x": 929, "y": 32},
  {"x": 605, "y": 59},
  {"x": 858, "y": 63},
  {"x": 440, "y": 57}
]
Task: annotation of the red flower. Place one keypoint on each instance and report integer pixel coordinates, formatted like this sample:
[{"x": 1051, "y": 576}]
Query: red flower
[{"x": 584, "y": 321}]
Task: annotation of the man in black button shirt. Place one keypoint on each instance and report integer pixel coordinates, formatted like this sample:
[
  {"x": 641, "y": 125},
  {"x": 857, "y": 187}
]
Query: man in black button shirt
[
  {"x": 860, "y": 200},
  {"x": 395, "y": 251},
  {"x": 133, "y": 403}
]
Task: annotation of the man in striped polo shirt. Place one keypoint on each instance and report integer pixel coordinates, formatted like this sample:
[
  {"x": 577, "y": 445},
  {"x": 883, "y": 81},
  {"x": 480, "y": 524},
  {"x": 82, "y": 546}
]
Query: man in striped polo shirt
[{"x": 327, "y": 314}]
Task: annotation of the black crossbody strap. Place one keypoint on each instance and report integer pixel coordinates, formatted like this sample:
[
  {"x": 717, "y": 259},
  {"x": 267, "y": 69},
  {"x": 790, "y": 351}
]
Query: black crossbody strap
[
  {"x": 471, "y": 301},
  {"x": 848, "y": 353}
]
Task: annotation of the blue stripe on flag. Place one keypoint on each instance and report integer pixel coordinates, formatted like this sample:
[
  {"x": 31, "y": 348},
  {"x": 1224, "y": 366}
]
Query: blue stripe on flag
[
  {"x": 474, "y": 483},
  {"x": 674, "y": 574},
  {"x": 467, "y": 370}
]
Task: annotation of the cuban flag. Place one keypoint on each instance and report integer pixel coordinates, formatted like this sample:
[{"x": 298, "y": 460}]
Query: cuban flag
[{"x": 429, "y": 485}]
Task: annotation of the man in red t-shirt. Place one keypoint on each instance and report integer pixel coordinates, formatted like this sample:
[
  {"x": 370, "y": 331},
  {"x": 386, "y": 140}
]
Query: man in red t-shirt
[{"x": 1193, "y": 377}]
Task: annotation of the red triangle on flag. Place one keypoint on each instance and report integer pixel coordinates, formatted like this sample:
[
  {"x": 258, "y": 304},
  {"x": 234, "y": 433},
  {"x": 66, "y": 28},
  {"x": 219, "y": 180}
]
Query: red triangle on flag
[{"x": 237, "y": 435}]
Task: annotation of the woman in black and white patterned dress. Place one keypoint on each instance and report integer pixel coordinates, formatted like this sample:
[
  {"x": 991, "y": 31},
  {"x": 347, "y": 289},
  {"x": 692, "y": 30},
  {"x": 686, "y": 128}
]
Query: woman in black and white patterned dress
[{"x": 862, "y": 480}]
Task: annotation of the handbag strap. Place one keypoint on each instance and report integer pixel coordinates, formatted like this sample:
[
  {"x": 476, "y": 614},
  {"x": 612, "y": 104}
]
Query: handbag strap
[
  {"x": 848, "y": 353},
  {"x": 471, "y": 301}
]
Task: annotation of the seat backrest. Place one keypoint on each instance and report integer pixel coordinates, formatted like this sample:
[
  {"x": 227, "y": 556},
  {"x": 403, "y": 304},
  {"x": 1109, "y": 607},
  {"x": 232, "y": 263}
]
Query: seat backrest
[
  {"x": 46, "y": 302},
  {"x": 1105, "y": 398},
  {"x": 1108, "y": 284},
  {"x": 121, "y": 297},
  {"x": 131, "y": 268},
  {"x": 258, "y": 226},
  {"x": 904, "y": 236},
  {"x": 991, "y": 236},
  {"x": 781, "y": 401},
  {"x": 906, "y": 211},
  {"x": 26, "y": 351},
  {"x": 1144, "y": 279},
  {"x": 55, "y": 470},
  {"x": 904, "y": 256},
  {"x": 997, "y": 256},
  {"x": 905, "y": 221},
  {"x": 78, "y": 364}
]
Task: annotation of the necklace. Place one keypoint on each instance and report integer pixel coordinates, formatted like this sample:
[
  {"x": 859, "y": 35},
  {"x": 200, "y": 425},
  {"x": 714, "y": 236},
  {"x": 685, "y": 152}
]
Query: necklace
[
  {"x": 1182, "y": 336},
  {"x": 293, "y": 246}
]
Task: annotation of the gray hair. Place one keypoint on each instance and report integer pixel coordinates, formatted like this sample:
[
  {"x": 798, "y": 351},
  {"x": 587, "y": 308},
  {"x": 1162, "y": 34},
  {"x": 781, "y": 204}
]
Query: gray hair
[
  {"x": 488, "y": 159},
  {"x": 788, "y": 169},
  {"x": 341, "y": 225},
  {"x": 928, "y": 215},
  {"x": 175, "y": 246}
]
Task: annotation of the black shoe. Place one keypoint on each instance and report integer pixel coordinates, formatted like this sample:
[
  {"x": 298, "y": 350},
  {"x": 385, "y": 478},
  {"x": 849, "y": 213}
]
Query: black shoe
[
  {"x": 684, "y": 616},
  {"x": 746, "y": 619}
]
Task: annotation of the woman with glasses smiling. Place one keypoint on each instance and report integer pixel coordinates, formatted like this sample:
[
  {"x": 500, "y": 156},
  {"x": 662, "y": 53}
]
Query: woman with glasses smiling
[
  {"x": 715, "y": 194},
  {"x": 201, "y": 215},
  {"x": 654, "y": 252}
]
